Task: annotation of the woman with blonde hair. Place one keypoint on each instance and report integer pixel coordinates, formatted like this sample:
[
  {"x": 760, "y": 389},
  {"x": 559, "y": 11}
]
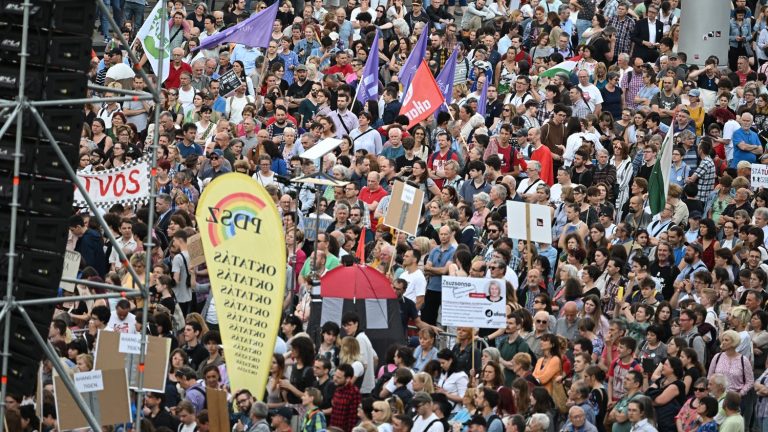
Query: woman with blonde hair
[
  {"x": 382, "y": 416},
  {"x": 739, "y": 322},
  {"x": 137, "y": 260},
  {"x": 422, "y": 381},
  {"x": 84, "y": 362},
  {"x": 350, "y": 354}
]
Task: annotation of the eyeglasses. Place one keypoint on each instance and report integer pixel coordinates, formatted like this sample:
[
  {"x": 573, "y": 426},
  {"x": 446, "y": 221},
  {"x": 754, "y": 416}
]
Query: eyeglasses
[
  {"x": 538, "y": 302},
  {"x": 700, "y": 389},
  {"x": 541, "y": 321}
]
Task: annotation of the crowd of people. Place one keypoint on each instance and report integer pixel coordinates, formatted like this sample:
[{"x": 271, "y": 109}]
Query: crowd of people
[{"x": 626, "y": 321}]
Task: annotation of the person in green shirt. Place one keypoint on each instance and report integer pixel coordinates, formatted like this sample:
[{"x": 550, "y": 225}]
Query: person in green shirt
[
  {"x": 633, "y": 384},
  {"x": 733, "y": 422}
]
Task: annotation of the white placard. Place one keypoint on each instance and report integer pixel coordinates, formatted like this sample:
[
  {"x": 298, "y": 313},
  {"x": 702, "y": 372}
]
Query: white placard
[
  {"x": 86, "y": 382},
  {"x": 474, "y": 302},
  {"x": 759, "y": 176},
  {"x": 130, "y": 343},
  {"x": 71, "y": 266},
  {"x": 320, "y": 149},
  {"x": 409, "y": 192},
  {"x": 540, "y": 225}
]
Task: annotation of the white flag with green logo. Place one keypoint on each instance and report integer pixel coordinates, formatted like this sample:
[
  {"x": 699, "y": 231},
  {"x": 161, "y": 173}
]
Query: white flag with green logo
[{"x": 154, "y": 29}]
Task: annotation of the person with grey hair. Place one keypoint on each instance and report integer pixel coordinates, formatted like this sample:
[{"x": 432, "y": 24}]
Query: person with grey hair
[
  {"x": 538, "y": 422},
  {"x": 577, "y": 421},
  {"x": 717, "y": 385},
  {"x": 259, "y": 413},
  {"x": 498, "y": 197},
  {"x": 527, "y": 186},
  {"x": 579, "y": 395}
]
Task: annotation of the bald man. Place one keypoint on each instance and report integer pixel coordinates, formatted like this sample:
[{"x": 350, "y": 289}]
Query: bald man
[
  {"x": 177, "y": 67},
  {"x": 566, "y": 324},
  {"x": 577, "y": 421}
]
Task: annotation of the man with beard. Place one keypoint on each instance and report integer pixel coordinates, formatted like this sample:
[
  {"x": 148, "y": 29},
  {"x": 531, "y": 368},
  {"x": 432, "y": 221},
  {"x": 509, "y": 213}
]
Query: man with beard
[{"x": 691, "y": 264}]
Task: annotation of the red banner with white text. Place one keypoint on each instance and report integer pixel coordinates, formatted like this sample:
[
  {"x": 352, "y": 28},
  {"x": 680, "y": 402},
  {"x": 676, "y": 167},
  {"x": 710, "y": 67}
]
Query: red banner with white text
[{"x": 423, "y": 97}]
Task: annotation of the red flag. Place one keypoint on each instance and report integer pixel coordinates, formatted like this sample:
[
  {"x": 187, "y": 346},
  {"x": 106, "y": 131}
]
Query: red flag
[
  {"x": 423, "y": 96},
  {"x": 361, "y": 247}
]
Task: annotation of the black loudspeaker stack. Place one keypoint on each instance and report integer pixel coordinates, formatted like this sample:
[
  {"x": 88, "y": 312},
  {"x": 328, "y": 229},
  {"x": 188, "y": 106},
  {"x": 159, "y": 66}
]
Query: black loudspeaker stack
[{"x": 59, "y": 48}]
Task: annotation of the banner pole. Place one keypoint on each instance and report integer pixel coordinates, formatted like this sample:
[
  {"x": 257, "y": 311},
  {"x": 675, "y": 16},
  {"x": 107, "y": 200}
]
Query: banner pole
[{"x": 528, "y": 234}]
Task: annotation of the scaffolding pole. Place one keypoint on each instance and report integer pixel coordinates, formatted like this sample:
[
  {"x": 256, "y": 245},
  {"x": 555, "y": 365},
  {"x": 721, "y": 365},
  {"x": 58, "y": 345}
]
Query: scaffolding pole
[{"x": 10, "y": 304}]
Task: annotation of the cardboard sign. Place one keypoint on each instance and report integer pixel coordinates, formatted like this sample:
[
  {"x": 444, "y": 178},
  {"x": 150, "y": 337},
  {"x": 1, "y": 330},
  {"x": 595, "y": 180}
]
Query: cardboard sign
[
  {"x": 128, "y": 185},
  {"x": 195, "y": 249},
  {"x": 106, "y": 394},
  {"x": 229, "y": 82},
  {"x": 759, "y": 176},
  {"x": 86, "y": 382},
  {"x": 109, "y": 354},
  {"x": 218, "y": 414},
  {"x": 71, "y": 267},
  {"x": 474, "y": 302},
  {"x": 540, "y": 225},
  {"x": 404, "y": 209}
]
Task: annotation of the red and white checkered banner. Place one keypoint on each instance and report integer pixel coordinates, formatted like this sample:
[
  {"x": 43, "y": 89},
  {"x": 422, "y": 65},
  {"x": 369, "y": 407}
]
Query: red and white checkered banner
[{"x": 128, "y": 184}]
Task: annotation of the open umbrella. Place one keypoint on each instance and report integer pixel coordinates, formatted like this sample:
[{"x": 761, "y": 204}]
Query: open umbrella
[
  {"x": 356, "y": 282},
  {"x": 367, "y": 292}
]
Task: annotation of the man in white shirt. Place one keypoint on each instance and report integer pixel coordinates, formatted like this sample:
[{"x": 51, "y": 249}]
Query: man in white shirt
[
  {"x": 590, "y": 92},
  {"x": 426, "y": 420},
  {"x": 729, "y": 128},
  {"x": 417, "y": 283},
  {"x": 126, "y": 242},
  {"x": 122, "y": 321}
]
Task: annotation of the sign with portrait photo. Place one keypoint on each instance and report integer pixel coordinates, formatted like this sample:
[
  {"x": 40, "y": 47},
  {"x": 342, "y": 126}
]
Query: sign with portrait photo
[{"x": 474, "y": 302}]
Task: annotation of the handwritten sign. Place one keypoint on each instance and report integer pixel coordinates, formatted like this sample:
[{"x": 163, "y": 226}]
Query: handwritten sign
[
  {"x": 86, "y": 382},
  {"x": 130, "y": 343},
  {"x": 408, "y": 194},
  {"x": 71, "y": 266},
  {"x": 759, "y": 176}
]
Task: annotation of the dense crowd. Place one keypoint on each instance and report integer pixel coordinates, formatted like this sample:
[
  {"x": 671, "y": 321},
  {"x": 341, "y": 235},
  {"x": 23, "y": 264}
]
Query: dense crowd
[{"x": 627, "y": 321}]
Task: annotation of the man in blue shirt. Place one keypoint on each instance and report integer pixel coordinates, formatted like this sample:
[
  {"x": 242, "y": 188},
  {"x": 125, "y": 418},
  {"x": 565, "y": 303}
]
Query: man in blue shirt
[
  {"x": 746, "y": 143},
  {"x": 436, "y": 267},
  {"x": 188, "y": 146}
]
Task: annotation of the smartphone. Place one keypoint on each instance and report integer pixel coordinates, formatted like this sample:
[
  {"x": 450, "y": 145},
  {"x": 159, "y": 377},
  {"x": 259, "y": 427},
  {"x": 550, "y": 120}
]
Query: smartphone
[{"x": 649, "y": 365}]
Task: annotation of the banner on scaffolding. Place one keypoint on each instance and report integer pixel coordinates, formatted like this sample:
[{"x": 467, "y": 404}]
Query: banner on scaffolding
[{"x": 127, "y": 185}]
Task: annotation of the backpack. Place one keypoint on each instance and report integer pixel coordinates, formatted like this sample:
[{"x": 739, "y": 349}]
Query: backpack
[
  {"x": 692, "y": 338},
  {"x": 205, "y": 396}
]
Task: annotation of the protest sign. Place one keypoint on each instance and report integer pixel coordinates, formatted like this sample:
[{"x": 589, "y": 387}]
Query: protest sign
[
  {"x": 127, "y": 185},
  {"x": 759, "y": 176},
  {"x": 537, "y": 225},
  {"x": 404, "y": 210},
  {"x": 195, "y": 249},
  {"x": 105, "y": 393},
  {"x": 113, "y": 349},
  {"x": 241, "y": 230},
  {"x": 71, "y": 267},
  {"x": 474, "y": 302},
  {"x": 229, "y": 82},
  {"x": 218, "y": 414}
]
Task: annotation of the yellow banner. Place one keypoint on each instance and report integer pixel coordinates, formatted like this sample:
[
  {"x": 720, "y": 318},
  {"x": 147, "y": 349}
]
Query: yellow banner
[{"x": 242, "y": 235}]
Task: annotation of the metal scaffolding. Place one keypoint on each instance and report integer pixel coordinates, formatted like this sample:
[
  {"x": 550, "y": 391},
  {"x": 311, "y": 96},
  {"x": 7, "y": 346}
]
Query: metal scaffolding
[{"x": 18, "y": 108}]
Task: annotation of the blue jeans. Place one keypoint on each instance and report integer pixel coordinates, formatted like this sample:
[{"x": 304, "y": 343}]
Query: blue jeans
[
  {"x": 135, "y": 12},
  {"x": 117, "y": 14},
  {"x": 582, "y": 26}
]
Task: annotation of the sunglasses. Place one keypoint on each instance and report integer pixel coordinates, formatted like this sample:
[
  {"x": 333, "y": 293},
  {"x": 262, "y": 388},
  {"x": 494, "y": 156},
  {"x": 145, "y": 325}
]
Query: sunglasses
[
  {"x": 700, "y": 389},
  {"x": 542, "y": 321}
]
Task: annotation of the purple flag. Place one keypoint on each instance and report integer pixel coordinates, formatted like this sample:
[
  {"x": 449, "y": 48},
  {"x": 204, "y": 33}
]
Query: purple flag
[
  {"x": 368, "y": 87},
  {"x": 445, "y": 81},
  {"x": 413, "y": 61},
  {"x": 253, "y": 32},
  {"x": 482, "y": 104}
]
